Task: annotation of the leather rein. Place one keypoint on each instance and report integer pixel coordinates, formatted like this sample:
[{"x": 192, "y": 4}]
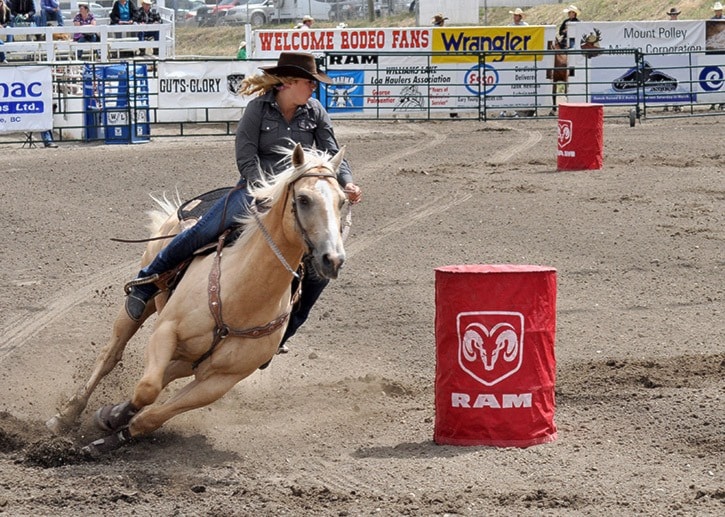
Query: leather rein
[{"x": 221, "y": 329}]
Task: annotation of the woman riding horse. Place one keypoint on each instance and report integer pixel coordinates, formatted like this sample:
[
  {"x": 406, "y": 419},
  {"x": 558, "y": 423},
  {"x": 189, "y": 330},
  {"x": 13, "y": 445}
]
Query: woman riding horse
[{"x": 282, "y": 115}]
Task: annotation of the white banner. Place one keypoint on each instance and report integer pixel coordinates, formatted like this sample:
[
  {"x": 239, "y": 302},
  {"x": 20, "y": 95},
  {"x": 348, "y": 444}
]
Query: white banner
[
  {"x": 26, "y": 99},
  {"x": 204, "y": 84},
  {"x": 667, "y": 70}
]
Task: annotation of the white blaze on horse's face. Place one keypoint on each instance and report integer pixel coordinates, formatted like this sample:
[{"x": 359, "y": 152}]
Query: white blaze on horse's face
[{"x": 319, "y": 201}]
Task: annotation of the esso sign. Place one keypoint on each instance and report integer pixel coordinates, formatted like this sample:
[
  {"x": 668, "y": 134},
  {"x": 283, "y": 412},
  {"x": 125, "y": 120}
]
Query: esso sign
[{"x": 481, "y": 80}]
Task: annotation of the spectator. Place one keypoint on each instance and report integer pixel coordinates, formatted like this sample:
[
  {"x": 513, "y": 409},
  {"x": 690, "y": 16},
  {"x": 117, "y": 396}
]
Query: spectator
[
  {"x": 23, "y": 11},
  {"x": 5, "y": 18},
  {"x": 123, "y": 12},
  {"x": 84, "y": 17},
  {"x": 438, "y": 20},
  {"x": 572, "y": 13},
  {"x": 673, "y": 13},
  {"x": 147, "y": 16},
  {"x": 50, "y": 10},
  {"x": 717, "y": 8},
  {"x": 306, "y": 22},
  {"x": 518, "y": 16},
  {"x": 242, "y": 52},
  {"x": 47, "y": 137}
]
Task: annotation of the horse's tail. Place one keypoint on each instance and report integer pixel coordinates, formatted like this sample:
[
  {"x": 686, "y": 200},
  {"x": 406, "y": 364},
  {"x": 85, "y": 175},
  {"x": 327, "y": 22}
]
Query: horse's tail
[{"x": 160, "y": 216}]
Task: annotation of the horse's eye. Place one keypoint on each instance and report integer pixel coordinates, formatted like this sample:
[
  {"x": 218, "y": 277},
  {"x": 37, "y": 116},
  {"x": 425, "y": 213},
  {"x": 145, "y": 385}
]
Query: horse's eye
[{"x": 303, "y": 201}]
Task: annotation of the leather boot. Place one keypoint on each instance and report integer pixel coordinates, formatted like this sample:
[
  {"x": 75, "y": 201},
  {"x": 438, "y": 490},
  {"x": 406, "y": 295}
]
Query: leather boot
[{"x": 137, "y": 298}]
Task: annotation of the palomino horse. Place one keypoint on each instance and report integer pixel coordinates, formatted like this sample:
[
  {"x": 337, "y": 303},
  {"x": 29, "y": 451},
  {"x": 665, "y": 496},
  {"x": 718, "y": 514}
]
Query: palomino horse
[{"x": 229, "y": 311}]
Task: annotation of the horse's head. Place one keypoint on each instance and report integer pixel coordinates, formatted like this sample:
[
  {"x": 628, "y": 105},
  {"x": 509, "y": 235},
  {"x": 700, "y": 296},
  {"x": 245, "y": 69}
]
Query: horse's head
[{"x": 319, "y": 204}]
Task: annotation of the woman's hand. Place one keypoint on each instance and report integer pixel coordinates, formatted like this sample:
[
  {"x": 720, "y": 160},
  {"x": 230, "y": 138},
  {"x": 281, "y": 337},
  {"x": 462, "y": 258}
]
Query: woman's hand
[{"x": 354, "y": 194}]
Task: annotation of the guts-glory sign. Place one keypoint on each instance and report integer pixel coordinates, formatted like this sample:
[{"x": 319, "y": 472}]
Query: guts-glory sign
[{"x": 495, "y": 365}]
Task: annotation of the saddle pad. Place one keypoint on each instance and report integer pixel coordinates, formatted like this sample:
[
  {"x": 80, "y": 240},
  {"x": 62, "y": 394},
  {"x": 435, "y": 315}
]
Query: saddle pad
[{"x": 193, "y": 209}]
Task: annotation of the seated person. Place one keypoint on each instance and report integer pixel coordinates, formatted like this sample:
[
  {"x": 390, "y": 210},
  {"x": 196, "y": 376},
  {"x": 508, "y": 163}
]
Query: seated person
[
  {"x": 147, "y": 16},
  {"x": 123, "y": 12},
  {"x": 50, "y": 11},
  {"x": 23, "y": 12},
  {"x": 84, "y": 17}
]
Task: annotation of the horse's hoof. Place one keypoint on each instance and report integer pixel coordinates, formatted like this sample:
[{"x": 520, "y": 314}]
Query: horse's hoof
[
  {"x": 108, "y": 443},
  {"x": 56, "y": 425},
  {"x": 110, "y": 418}
]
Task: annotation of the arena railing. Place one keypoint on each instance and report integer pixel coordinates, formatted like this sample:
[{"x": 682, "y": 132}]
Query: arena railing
[{"x": 72, "y": 123}]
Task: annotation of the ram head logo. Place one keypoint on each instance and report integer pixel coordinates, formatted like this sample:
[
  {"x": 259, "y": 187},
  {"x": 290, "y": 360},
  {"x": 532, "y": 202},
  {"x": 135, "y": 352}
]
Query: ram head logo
[{"x": 490, "y": 345}]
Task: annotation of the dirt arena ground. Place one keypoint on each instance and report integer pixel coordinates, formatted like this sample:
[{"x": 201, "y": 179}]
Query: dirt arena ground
[{"x": 343, "y": 425}]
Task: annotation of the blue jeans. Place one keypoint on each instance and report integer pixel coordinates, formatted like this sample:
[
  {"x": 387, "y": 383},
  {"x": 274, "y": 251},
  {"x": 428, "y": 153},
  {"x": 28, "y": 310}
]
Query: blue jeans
[
  {"x": 56, "y": 16},
  {"x": 47, "y": 136}
]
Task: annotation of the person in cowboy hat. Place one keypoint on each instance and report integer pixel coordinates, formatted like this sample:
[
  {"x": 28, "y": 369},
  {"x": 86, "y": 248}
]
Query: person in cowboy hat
[
  {"x": 572, "y": 15},
  {"x": 718, "y": 11},
  {"x": 306, "y": 22},
  {"x": 673, "y": 13},
  {"x": 282, "y": 114},
  {"x": 147, "y": 16},
  {"x": 518, "y": 16},
  {"x": 438, "y": 20}
]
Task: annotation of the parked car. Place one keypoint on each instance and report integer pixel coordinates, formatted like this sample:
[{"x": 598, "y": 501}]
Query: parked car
[
  {"x": 186, "y": 10},
  {"x": 255, "y": 12}
]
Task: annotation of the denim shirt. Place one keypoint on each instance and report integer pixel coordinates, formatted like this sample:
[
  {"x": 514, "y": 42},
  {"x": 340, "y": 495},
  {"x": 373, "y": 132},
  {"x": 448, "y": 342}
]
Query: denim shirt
[{"x": 263, "y": 128}]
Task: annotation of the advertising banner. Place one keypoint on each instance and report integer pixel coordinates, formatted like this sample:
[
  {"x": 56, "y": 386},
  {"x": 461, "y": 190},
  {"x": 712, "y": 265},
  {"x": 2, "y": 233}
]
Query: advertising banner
[
  {"x": 379, "y": 69},
  {"x": 26, "y": 99},
  {"x": 204, "y": 84},
  {"x": 666, "y": 72}
]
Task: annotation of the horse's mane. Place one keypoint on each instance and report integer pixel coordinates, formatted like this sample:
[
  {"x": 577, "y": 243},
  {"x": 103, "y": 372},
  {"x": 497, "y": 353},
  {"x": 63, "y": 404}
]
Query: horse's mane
[{"x": 271, "y": 187}]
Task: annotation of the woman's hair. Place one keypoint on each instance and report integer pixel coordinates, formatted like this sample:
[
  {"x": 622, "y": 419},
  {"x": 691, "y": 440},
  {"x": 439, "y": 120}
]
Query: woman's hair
[{"x": 262, "y": 83}]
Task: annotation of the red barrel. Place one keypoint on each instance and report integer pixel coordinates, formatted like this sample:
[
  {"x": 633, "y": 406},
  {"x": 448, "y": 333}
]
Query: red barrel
[
  {"x": 580, "y": 137},
  {"x": 495, "y": 366}
]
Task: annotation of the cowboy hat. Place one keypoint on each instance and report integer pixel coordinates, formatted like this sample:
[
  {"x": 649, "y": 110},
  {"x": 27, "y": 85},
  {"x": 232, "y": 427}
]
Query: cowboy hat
[
  {"x": 517, "y": 11},
  {"x": 297, "y": 64},
  {"x": 717, "y": 6},
  {"x": 673, "y": 11},
  {"x": 573, "y": 8},
  {"x": 438, "y": 18},
  {"x": 308, "y": 18}
]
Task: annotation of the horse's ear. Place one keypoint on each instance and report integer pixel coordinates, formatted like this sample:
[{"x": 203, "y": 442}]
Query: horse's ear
[
  {"x": 298, "y": 156},
  {"x": 337, "y": 159}
]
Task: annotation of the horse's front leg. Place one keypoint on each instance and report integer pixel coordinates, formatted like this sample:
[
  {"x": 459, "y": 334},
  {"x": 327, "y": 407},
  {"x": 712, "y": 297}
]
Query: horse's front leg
[
  {"x": 196, "y": 394},
  {"x": 123, "y": 330}
]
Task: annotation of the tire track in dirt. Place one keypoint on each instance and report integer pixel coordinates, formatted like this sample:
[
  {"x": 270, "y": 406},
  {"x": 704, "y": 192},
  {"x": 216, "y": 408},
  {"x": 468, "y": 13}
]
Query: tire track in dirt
[
  {"x": 23, "y": 328},
  {"x": 504, "y": 155}
]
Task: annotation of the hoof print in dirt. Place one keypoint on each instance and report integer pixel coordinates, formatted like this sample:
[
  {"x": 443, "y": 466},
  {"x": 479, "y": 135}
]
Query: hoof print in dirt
[{"x": 54, "y": 452}]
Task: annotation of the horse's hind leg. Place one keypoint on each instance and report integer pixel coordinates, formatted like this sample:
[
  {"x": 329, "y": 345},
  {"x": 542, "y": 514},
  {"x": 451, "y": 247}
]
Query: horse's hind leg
[{"x": 123, "y": 330}]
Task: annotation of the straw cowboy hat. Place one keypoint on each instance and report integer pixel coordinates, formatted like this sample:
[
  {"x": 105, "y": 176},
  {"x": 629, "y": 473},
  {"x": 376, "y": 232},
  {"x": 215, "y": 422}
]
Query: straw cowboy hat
[
  {"x": 673, "y": 12},
  {"x": 517, "y": 11},
  {"x": 297, "y": 64},
  {"x": 438, "y": 19},
  {"x": 717, "y": 6},
  {"x": 573, "y": 8},
  {"x": 308, "y": 18}
]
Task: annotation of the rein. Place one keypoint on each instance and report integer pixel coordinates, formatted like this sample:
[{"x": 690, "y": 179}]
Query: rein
[{"x": 221, "y": 329}]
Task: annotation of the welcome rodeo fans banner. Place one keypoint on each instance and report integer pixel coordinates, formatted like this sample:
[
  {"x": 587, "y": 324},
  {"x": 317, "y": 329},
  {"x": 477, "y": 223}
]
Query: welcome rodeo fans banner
[
  {"x": 26, "y": 99},
  {"x": 374, "y": 69},
  {"x": 669, "y": 72}
]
